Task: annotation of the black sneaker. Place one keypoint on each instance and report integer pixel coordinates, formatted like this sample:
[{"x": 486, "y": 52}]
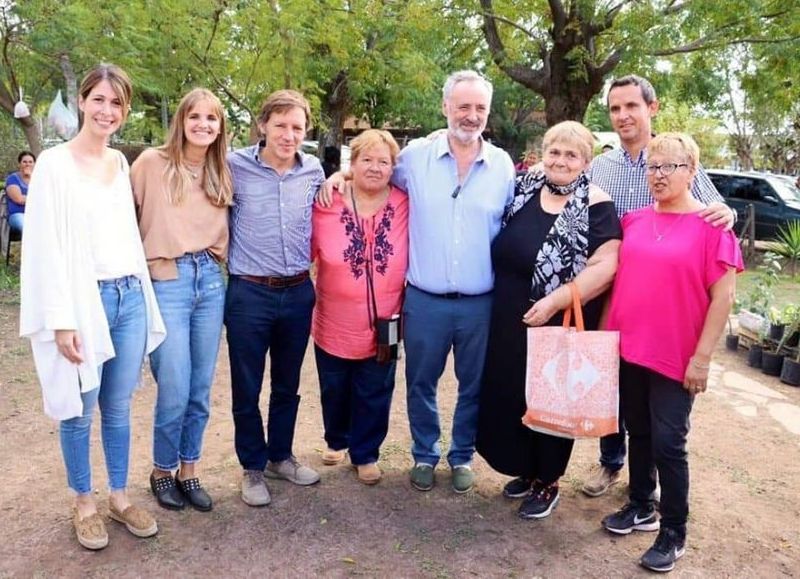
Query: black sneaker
[
  {"x": 632, "y": 517},
  {"x": 668, "y": 548},
  {"x": 541, "y": 501},
  {"x": 517, "y": 488}
]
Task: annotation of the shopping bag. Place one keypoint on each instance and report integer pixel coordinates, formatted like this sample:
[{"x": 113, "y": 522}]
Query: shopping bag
[{"x": 572, "y": 378}]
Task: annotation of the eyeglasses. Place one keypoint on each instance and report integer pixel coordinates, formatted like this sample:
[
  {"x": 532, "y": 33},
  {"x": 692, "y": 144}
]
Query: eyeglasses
[{"x": 666, "y": 169}]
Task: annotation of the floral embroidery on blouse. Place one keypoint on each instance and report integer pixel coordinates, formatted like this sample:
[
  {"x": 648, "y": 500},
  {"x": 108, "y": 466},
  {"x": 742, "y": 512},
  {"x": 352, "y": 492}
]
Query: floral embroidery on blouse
[{"x": 355, "y": 254}]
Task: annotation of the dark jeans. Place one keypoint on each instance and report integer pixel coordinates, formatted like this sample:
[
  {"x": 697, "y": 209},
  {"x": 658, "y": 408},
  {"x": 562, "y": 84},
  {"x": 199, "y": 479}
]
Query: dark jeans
[
  {"x": 356, "y": 399},
  {"x": 656, "y": 410},
  {"x": 612, "y": 447},
  {"x": 260, "y": 319}
]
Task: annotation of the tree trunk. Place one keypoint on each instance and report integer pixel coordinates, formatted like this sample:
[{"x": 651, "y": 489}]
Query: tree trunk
[
  {"x": 743, "y": 146},
  {"x": 571, "y": 72},
  {"x": 71, "y": 82},
  {"x": 30, "y": 127},
  {"x": 563, "y": 102},
  {"x": 335, "y": 108}
]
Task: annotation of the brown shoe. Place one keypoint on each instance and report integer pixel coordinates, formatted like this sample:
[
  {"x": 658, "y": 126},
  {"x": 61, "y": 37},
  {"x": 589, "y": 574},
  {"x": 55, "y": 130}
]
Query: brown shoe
[
  {"x": 331, "y": 457},
  {"x": 369, "y": 474},
  {"x": 138, "y": 521},
  {"x": 600, "y": 480},
  {"x": 91, "y": 531}
]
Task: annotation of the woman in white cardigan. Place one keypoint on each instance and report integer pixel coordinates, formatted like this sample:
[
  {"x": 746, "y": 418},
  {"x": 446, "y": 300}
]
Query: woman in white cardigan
[{"x": 87, "y": 303}]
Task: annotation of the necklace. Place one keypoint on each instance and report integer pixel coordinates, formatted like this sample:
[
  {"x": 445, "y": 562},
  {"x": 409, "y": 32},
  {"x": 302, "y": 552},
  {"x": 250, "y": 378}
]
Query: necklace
[
  {"x": 659, "y": 236},
  {"x": 194, "y": 170}
]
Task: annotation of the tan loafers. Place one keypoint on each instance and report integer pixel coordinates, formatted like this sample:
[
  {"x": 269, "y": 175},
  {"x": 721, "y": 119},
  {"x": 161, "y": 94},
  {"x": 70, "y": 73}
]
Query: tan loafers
[
  {"x": 369, "y": 474},
  {"x": 91, "y": 531},
  {"x": 138, "y": 521},
  {"x": 331, "y": 457}
]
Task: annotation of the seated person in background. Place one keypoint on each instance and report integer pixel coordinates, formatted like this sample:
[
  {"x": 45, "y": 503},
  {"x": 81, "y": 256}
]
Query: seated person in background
[{"x": 17, "y": 189}]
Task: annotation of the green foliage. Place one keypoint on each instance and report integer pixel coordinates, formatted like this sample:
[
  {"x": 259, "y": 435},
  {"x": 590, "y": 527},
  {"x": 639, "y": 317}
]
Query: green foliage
[
  {"x": 761, "y": 296},
  {"x": 787, "y": 245},
  {"x": 9, "y": 280},
  {"x": 675, "y": 115}
]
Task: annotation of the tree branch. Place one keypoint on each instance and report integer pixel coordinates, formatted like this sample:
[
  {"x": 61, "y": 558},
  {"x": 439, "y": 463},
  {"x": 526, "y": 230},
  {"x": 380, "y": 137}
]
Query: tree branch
[
  {"x": 526, "y": 76},
  {"x": 559, "y": 16},
  {"x": 709, "y": 42}
]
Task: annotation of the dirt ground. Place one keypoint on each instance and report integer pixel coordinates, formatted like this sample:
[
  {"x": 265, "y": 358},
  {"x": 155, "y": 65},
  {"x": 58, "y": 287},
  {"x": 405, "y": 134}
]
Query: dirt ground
[{"x": 744, "y": 521}]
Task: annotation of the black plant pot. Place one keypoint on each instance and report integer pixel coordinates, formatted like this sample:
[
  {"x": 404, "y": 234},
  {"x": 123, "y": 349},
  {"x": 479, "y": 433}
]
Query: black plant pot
[
  {"x": 771, "y": 363},
  {"x": 793, "y": 340},
  {"x": 754, "y": 356},
  {"x": 732, "y": 342},
  {"x": 776, "y": 331},
  {"x": 790, "y": 374}
]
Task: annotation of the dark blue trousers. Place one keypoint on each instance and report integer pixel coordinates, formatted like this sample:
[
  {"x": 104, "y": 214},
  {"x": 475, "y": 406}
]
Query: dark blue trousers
[
  {"x": 356, "y": 400},
  {"x": 260, "y": 319}
]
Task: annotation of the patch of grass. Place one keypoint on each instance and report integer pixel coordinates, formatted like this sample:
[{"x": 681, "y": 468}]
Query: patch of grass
[
  {"x": 435, "y": 569},
  {"x": 786, "y": 291},
  {"x": 9, "y": 279}
]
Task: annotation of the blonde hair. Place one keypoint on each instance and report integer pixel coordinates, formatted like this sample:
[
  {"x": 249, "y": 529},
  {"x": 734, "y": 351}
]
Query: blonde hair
[
  {"x": 676, "y": 143},
  {"x": 217, "y": 182},
  {"x": 283, "y": 100},
  {"x": 371, "y": 138},
  {"x": 570, "y": 133},
  {"x": 118, "y": 79}
]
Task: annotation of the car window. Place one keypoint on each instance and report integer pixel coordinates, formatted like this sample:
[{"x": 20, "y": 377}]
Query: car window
[
  {"x": 764, "y": 191},
  {"x": 786, "y": 189}
]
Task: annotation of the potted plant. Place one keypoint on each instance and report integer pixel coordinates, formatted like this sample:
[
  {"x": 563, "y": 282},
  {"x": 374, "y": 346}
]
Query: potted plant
[
  {"x": 790, "y": 372},
  {"x": 731, "y": 340},
  {"x": 754, "y": 354},
  {"x": 776, "y": 324},
  {"x": 757, "y": 303},
  {"x": 772, "y": 359},
  {"x": 791, "y": 317}
]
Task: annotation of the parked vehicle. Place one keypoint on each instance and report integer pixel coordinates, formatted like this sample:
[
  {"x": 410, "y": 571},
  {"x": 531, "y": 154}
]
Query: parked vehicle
[
  {"x": 312, "y": 148},
  {"x": 776, "y": 198}
]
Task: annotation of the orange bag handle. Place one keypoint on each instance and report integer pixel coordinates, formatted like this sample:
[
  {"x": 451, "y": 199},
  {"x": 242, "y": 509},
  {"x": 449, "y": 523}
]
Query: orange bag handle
[{"x": 576, "y": 307}]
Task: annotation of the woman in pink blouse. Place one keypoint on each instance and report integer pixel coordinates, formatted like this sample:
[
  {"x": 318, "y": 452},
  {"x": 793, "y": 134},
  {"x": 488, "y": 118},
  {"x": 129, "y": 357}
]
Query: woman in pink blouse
[
  {"x": 672, "y": 296},
  {"x": 360, "y": 245}
]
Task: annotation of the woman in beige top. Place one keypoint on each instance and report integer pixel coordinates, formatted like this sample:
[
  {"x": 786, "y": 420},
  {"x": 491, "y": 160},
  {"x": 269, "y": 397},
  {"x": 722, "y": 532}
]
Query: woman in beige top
[{"x": 182, "y": 192}]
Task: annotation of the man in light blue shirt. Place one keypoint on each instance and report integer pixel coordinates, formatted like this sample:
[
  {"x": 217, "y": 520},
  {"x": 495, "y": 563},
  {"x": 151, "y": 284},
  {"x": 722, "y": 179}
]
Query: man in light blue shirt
[{"x": 458, "y": 185}]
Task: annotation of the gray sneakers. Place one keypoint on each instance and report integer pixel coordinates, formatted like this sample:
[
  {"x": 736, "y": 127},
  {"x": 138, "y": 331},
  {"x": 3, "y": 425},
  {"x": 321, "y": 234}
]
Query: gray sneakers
[
  {"x": 292, "y": 471},
  {"x": 600, "y": 480},
  {"x": 254, "y": 489}
]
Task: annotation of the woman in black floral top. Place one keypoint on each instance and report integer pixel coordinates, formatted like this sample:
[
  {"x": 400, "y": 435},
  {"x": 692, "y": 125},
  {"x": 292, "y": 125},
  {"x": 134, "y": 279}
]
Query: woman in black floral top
[{"x": 558, "y": 229}]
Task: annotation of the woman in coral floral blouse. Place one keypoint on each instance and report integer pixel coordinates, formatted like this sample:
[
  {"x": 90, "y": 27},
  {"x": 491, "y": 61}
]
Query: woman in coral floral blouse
[{"x": 360, "y": 245}]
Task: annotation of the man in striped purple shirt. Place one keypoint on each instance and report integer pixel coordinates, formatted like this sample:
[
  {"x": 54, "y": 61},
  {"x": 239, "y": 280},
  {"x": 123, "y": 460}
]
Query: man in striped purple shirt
[
  {"x": 270, "y": 296},
  {"x": 621, "y": 173}
]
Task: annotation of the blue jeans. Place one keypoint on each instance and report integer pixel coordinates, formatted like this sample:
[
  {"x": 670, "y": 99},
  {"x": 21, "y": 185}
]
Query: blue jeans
[
  {"x": 127, "y": 320},
  {"x": 356, "y": 400},
  {"x": 16, "y": 220},
  {"x": 261, "y": 319},
  {"x": 434, "y": 325},
  {"x": 183, "y": 365}
]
